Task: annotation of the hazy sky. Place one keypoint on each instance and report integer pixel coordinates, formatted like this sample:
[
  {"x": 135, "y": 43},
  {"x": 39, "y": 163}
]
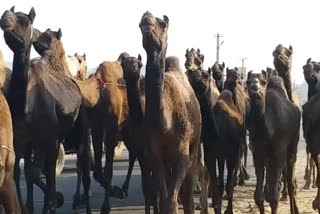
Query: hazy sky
[{"x": 251, "y": 28}]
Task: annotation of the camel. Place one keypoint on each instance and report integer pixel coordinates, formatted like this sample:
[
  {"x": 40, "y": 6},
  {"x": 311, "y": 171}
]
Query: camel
[
  {"x": 45, "y": 130},
  {"x": 310, "y": 120},
  {"x": 77, "y": 66},
  {"x": 136, "y": 131},
  {"x": 311, "y": 75},
  {"x": 229, "y": 113},
  {"x": 7, "y": 158},
  {"x": 217, "y": 73},
  {"x": 82, "y": 72},
  {"x": 172, "y": 120},
  {"x": 269, "y": 103},
  {"x": 5, "y": 75},
  {"x": 207, "y": 93}
]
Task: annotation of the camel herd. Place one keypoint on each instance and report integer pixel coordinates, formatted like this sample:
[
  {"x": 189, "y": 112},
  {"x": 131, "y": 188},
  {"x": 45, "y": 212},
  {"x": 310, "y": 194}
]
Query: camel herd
[{"x": 176, "y": 124}]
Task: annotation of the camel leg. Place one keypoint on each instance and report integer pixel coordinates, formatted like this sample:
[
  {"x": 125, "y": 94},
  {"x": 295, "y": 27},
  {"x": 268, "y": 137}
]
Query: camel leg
[
  {"x": 231, "y": 165},
  {"x": 176, "y": 179},
  {"x": 259, "y": 166},
  {"x": 17, "y": 174},
  {"x": 110, "y": 143},
  {"x": 316, "y": 202},
  {"x": 186, "y": 192},
  {"x": 97, "y": 139},
  {"x": 50, "y": 167},
  {"x": 7, "y": 197},
  {"x": 204, "y": 179},
  {"x": 275, "y": 166},
  {"x": 125, "y": 186},
  {"x": 29, "y": 178},
  {"x": 307, "y": 170},
  {"x": 313, "y": 169},
  {"x": 145, "y": 183},
  {"x": 77, "y": 195},
  {"x": 284, "y": 193},
  {"x": 291, "y": 181}
]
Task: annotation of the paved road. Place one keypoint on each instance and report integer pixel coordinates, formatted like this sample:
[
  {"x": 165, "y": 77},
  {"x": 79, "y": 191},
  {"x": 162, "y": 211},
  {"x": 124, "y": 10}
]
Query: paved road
[{"x": 66, "y": 184}]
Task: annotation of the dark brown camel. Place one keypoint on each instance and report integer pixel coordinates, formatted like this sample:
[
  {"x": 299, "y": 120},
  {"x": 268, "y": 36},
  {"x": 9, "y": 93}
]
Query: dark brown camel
[
  {"x": 207, "y": 93},
  {"x": 312, "y": 76},
  {"x": 274, "y": 130},
  {"x": 229, "y": 114},
  {"x": 7, "y": 158},
  {"x": 5, "y": 75},
  {"x": 45, "y": 77},
  {"x": 217, "y": 73},
  {"x": 172, "y": 121},
  {"x": 136, "y": 131},
  {"x": 311, "y": 119},
  {"x": 282, "y": 63}
]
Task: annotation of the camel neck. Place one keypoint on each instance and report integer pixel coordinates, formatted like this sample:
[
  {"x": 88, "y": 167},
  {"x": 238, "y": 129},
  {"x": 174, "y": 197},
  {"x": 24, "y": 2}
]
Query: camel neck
[
  {"x": 18, "y": 83},
  {"x": 155, "y": 69},
  {"x": 257, "y": 111},
  {"x": 134, "y": 101},
  {"x": 312, "y": 87}
]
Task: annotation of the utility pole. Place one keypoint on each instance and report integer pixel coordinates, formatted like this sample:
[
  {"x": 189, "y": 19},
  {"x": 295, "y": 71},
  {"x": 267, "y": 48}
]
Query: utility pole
[
  {"x": 218, "y": 45},
  {"x": 242, "y": 67}
]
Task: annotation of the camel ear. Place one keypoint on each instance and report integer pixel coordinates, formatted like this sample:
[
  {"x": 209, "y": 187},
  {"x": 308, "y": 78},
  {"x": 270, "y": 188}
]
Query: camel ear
[
  {"x": 32, "y": 15},
  {"x": 309, "y": 60},
  {"x": 12, "y": 9},
  {"x": 139, "y": 57},
  {"x": 223, "y": 65},
  {"x": 235, "y": 68},
  {"x": 249, "y": 74},
  {"x": 59, "y": 34},
  {"x": 187, "y": 51},
  {"x": 198, "y": 50},
  {"x": 84, "y": 56},
  {"x": 166, "y": 19},
  {"x": 209, "y": 71},
  {"x": 264, "y": 74},
  {"x": 290, "y": 48},
  {"x": 76, "y": 54},
  {"x": 202, "y": 57}
]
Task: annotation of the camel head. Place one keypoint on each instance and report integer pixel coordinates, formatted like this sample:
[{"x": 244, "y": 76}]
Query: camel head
[
  {"x": 49, "y": 40},
  {"x": 83, "y": 65},
  {"x": 154, "y": 33},
  {"x": 131, "y": 68},
  {"x": 194, "y": 60},
  {"x": 217, "y": 71},
  {"x": 271, "y": 72},
  {"x": 233, "y": 78},
  {"x": 17, "y": 28},
  {"x": 200, "y": 81},
  {"x": 311, "y": 71},
  {"x": 123, "y": 56},
  {"x": 256, "y": 84},
  {"x": 282, "y": 57}
]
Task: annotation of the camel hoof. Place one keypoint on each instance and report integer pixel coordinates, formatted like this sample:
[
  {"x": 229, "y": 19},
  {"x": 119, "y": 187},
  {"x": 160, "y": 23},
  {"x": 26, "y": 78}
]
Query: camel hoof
[
  {"x": 60, "y": 199},
  {"x": 105, "y": 209},
  {"x": 76, "y": 202},
  {"x": 117, "y": 192},
  {"x": 314, "y": 185},
  {"x": 197, "y": 207},
  {"x": 225, "y": 197},
  {"x": 246, "y": 176},
  {"x": 241, "y": 182},
  {"x": 306, "y": 186},
  {"x": 315, "y": 204},
  {"x": 284, "y": 198},
  {"x": 98, "y": 177}
]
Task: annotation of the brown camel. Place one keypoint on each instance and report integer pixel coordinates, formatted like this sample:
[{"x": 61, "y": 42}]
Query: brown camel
[
  {"x": 7, "y": 158},
  {"x": 229, "y": 113},
  {"x": 172, "y": 120},
  {"x": 45, "y": 128},
  {"x": 5, "y": 75},
  {"x": 311, "y": 75},
  {"x": 274, "y": 130},
  {"x": 310, "y": 119}
]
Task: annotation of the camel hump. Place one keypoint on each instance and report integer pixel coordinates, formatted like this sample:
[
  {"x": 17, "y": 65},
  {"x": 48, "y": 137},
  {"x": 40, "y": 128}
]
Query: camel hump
[
  {"x": 226, "y": 105},
  {"x": 172, "y": 64},
  {"x": 276, "y": 83},
  {"x": 110, "y": 71}
]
